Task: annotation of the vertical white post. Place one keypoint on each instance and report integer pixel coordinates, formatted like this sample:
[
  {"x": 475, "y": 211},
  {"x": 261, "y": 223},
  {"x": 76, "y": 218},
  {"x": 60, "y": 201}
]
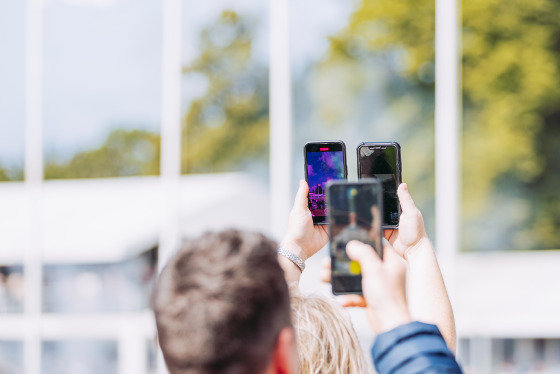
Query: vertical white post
[
  {"x": 170, "y": 163},
  {"x": 133, "y": 348},
  {"x": 447, "y": 139},
  {"x": 33, "y": 184},
  {"x": 280, "y": 117}
]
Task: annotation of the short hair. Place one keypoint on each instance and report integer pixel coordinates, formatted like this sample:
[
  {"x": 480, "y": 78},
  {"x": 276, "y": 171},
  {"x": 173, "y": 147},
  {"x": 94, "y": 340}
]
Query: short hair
[
  {"x": 326, "y": 340},
  {"x": 220, "y": 304}
]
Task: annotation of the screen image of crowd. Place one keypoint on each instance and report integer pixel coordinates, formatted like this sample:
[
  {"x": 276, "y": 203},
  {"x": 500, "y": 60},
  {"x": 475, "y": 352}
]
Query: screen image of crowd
[{"x": 322, "y": 167}]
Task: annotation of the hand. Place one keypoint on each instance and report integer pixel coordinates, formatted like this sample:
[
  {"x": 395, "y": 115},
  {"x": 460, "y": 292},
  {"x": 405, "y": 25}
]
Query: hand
[
  {"x": 302, "y": 237},
  {"x": 383, "y": 284},
  {"x": 411, "y": 233}
]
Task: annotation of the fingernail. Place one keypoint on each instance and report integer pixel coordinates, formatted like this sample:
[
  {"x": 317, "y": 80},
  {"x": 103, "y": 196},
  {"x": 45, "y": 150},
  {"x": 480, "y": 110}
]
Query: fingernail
[
  {"x": 405, "y": 187},
  {"x": 385, "y": 241}
]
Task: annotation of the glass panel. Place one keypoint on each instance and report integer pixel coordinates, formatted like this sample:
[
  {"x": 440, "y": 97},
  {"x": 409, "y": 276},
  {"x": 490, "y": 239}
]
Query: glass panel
[
  {"x": 97, "y": 288},
  {"x": 79, "y": 356},
  {"x": 511, "y": 137},
  {"x": 11, "y": 289},
  {"x": 151, "y": 348},
  {"x": 102, "y": 88},
  {"x": 11, "y": 357},
  {"x": 12, "y": 84},
  {"x": 225, "y": 87},
  {"x": 364, "y": 71}
]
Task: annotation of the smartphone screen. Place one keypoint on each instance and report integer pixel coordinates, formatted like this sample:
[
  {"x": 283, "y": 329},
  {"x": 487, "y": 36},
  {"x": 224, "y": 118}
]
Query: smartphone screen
[
  {"x": 354, "y": 214},
  {"x": 324, "y": 161},
  {"x": 383, "y": 162}
]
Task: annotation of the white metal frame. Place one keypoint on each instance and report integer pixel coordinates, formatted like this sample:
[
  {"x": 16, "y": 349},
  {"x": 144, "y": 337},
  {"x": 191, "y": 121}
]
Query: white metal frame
[
  {"x": 280, "y": 117},
  {"x": 447, "y": 140}
]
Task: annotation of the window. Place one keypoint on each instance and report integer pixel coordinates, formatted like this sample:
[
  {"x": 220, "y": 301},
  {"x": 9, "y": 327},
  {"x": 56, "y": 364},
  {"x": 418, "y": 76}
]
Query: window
[
  {"x": 12, "y": 94},
  {"x": 225, "y": 87},
  {"x": 510, "y": 126},
  {"x": 102, "y": 88}
]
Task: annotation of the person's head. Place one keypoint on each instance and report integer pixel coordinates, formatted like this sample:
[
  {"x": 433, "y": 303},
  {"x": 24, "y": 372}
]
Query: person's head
[
  {"x": 326, "y": 340},
  {"x": 222, "y": 306}
]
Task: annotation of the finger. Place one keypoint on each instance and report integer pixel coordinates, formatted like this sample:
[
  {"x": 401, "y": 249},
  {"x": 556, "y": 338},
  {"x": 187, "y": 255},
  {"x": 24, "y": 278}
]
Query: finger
[
  {"x": 405, "y": 199},
  {"x": 389, "y": 253},
  {"x": 325, "y": 275},
  {"x": 367, "y": 257},
  {"x": 301, "y": 196},
  {"x": 388, "y": 233},
  {"x": 352, "y": 301},
  {"x": 326, "y": 263}
]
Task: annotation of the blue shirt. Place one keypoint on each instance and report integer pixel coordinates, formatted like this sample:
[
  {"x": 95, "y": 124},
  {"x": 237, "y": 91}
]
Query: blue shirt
[{"x": 413, "y": 348}]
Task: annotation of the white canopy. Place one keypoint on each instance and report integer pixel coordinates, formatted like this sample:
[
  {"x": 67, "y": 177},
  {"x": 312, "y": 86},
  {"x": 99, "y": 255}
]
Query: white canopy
[{"x": 105, "y": 220}]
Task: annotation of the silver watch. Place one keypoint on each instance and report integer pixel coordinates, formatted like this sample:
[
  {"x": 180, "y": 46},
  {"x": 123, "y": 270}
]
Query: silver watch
[{"x": 292, "y": 257}]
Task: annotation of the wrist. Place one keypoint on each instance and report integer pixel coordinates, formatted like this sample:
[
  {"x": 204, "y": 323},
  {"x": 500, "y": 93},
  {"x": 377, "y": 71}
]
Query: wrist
[
  {"x": 422, "y": 247},
  {"x": 294, "y": 247},
  {"x": 390, "y": 319}
]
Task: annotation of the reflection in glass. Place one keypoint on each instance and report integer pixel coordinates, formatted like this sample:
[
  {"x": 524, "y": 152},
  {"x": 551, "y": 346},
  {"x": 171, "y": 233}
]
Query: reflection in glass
[
  {"x": 11, "y": 289},
  {"x": 225, "y": 89},
  {"x": 363, "y": 72},
  {"x": 98, "y": 288},
  {"x": 11, "y": 357},
  {"x": 102, "y": 88},
  {"x": 12, "y": 96},
  {"x": 79, "y": 356}
]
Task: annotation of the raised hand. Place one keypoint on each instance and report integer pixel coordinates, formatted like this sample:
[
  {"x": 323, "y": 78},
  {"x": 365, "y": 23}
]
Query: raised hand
[
  {"x": 302, "y": 237},
  {"x": 411, "y": 233}
]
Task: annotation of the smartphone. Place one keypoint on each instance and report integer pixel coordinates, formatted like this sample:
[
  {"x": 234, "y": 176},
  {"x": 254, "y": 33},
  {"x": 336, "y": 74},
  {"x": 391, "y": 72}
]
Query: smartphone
[
  {"x": 324, "y": 161},
  {"x": 383, "y": 162},
  {"x": 355, "y": 210}
]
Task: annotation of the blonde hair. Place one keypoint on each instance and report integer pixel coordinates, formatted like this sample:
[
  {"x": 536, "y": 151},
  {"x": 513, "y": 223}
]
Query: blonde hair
[{"x": 326, "y": 340}]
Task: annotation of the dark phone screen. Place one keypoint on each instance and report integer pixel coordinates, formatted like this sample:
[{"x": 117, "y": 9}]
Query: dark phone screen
[
  {"x": 354, "y": 214},
  {"x": 381, "y": 163},
  {"x": 323, "y": 165}
]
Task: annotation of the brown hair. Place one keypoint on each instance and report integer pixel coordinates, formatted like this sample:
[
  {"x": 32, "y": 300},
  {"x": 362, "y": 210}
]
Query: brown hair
[{"x": 220, "y": 304}]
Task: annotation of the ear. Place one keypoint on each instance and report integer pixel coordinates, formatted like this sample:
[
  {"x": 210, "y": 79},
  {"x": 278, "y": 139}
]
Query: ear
[{"x": 284, "y": 356}]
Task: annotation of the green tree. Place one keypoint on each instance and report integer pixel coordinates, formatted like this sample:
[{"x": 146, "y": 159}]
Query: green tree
[
  {"x": 510, "y": 90},
  {"x": 124, "y": 153},
  {"x": 229, "y": 124},
  {"x": 3, "y": 176}
]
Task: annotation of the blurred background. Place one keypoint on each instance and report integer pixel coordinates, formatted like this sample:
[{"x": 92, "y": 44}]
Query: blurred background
[{"x": 86, "y": 209}]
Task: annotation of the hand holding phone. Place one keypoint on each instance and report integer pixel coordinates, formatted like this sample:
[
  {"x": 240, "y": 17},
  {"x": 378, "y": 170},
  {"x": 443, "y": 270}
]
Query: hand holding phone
[
  {"x": 324, "y": 161},
  {"x": 354, "y": 214}
]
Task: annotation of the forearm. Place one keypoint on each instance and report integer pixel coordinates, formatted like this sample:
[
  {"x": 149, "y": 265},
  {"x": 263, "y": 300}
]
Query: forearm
[
  {"x": 427, "y": 296},
  {"x": 413, "y": 348},
  {"x": 292, "y": 274}
]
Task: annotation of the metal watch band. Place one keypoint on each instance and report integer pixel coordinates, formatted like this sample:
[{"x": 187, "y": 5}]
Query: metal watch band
[{"x": 292, "y": 257}]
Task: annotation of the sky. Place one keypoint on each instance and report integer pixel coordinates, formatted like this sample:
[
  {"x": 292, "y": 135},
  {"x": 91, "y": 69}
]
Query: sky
[{"x": 102, "y": 63}]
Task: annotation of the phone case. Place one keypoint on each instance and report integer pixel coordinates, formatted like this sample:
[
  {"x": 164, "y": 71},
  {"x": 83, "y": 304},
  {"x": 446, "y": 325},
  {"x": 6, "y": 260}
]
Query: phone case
[
  {"x": 330, "y": 186},
  {"x": 398, "y": 171},
  {"x": 343, "y": 160}
]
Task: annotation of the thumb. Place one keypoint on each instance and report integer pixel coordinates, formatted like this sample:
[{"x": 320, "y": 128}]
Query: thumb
[
  {"x": 405, "y": 199},
  {"x": 367, "y": 257},
  {"x": 301, "y": 195}
]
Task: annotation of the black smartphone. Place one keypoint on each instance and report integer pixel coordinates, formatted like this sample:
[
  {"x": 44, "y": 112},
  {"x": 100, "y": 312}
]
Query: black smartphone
[
  {"x": 383, "y": 162},
  {"x": 324, "y": 161},
  {"x": 354, "y": 214}
]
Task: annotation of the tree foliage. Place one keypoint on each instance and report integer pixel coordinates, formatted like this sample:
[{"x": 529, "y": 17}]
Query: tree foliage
[
  {"x": 510, "y": 60},
  {"x": 124, "y": 153},
  {"x": 228, "y": 125}
]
